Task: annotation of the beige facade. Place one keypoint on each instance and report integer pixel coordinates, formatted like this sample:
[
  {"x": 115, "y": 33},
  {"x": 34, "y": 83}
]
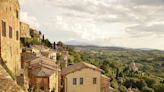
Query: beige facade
[
  {"x": 88, "y": 86},
  {"x": 10, "y": 34},
  {"x": 54, "y": 83},
  {"x": 82, "y": 77},
  {"x": 45, "y": 83},
  {"x": 24, "y": 30}
]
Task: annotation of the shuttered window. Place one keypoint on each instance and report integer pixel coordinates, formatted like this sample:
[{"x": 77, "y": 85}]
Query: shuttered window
[
  {"x": 17, "y": 35},
  {"x": 10, "y": 32},
  {"x": 74, "y": 81},
  {"x": 17, "y": 14},
  {"x": 94, "y": 80},
  {"x": 81, "y": 81},
  {"x": 3, "y": 29}
]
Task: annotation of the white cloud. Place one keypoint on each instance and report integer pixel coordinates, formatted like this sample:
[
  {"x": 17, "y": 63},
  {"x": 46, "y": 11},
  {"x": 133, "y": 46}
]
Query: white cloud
[
  {"x": 31, "y": 20},
  {"x": 128, "y": 23}
]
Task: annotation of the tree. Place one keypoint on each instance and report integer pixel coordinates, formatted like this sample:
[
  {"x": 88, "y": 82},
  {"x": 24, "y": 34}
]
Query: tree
[
  {"x": 54, "y": 45},
  {"x": 48, "y": 43},
  {"x": 159, "y": 88},
  {"x": 135, "y": 83},
  {"x": 146, "y": 89},
  {"x": 150, "y": 82},
  {"x": 114, "y": 84},
  {"x": 141, "y": 84},
  {"x": 60, "y": 44},
  {"x": 122, "y": 88},
  {"x": 43, "y": 38}
]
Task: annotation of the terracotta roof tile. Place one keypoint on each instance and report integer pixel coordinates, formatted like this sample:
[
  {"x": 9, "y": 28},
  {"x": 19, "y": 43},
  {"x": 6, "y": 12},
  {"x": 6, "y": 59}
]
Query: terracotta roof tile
[
  {"x": 43, "y": 67},
  {"x": 42, "y": 72},
  {"x": 104, "y": 76},
  {"x": 27, "y": 56},
  {"x": 81, "y": 65}
]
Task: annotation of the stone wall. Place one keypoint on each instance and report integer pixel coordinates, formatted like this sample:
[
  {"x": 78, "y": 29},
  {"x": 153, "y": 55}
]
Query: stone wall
[
  {"x": 10, "y": 46},
  {"x": 6, "y": 82},
  {"x": 25, "y": 30}
]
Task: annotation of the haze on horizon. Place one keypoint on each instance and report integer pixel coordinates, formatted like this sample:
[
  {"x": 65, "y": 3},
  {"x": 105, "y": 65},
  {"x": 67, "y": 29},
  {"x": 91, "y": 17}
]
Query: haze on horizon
[{"x": 123, "y": 23}]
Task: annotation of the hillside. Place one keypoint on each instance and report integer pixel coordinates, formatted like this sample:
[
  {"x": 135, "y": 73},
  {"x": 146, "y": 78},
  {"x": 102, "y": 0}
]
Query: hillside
[
  {"x": 141, "y": 69},
  {"x": 98, "y": 48}
]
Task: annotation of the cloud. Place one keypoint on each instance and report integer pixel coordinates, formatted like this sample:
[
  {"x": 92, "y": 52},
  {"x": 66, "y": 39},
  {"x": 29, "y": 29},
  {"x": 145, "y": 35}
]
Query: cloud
[
  {"x": 32, "y": 21},
  {"x": 155, "y": 28},
  {"x": 147, "y": 2},
  {"x": 128, "y": 23}
]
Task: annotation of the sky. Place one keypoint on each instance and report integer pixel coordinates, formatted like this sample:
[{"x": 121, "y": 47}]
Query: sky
[{"x": 121, "y": 23}]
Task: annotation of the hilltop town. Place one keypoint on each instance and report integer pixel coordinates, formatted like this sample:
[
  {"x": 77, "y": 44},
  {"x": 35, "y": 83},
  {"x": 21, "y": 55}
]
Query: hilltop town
[{"x": 30, "y": 63}]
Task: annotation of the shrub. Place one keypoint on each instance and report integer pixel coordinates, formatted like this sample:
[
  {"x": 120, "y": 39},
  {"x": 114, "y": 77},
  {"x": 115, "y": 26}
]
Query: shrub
[
  {"x": 159, "y": 88},
  {"x": 146, "y": 89},
  {"x": 114, "y": 84},
  {"x": 122, "y": 88}
]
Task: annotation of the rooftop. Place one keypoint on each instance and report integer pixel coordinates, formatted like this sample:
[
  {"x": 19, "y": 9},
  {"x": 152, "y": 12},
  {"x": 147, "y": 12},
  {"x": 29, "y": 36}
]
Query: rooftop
[
  {"x": 104, "y": 76},
  {"x": 28, "y": 56},
  {"x": 43, "y": 67},
  {"x": 78, "y": 66}
]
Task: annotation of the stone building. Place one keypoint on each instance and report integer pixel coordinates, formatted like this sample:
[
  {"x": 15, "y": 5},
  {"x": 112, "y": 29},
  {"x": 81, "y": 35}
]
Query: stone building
[
  {"x": 105, "y": 84},
  {"x": 51, "y": 54},
  {"x": 44, "y": 74},
  {"x": 10, "y": 34},
  {"x": 24, "y": 30},
  {"x": 41, "y": 50},
  {"x": 81, "y": 77},
  {"x": 36, "y": 34},
  {"x": 62, "y": 58},
  {"x": 133, "y": 67},
  {"x": 37, "y": 49},
  {"x": 26, "y": 57}
]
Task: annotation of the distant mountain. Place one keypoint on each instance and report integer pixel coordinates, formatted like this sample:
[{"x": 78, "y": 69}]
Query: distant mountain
[
  {"x": 76, "y": 43},
  {"x": 99, "y": 48}
]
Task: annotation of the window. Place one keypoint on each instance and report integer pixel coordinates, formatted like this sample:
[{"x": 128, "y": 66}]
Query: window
[
  {"x": 17, "y": 35},
  {"x": 10, "y": 51},
  {"x": 17, "y": 14},
  {"x": 3, "y": 29},
  {"x": 10, "y": 31},
  {"x": 81, "y": 81},
  {"x": 74, "y": 81},
  {"x": 94, "y": 80}
]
